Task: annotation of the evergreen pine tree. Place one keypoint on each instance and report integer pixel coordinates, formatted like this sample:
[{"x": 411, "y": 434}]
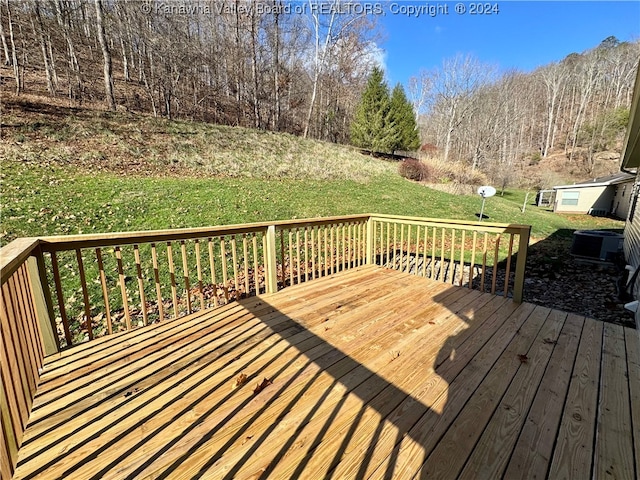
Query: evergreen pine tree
[
  {"x": 373, "y": 128},
  {"x": 404, "y": 119}
]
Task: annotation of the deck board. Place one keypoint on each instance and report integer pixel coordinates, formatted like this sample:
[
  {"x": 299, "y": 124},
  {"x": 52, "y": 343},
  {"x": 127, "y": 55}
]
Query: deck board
[{"x": 373, "y": 373}]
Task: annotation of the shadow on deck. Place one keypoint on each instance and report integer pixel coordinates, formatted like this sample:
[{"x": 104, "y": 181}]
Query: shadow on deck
[{"x": 370, "y": 373}]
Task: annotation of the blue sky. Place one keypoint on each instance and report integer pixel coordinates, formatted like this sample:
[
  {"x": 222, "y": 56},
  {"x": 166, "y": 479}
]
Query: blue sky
[{"x": 522, "y": 36}]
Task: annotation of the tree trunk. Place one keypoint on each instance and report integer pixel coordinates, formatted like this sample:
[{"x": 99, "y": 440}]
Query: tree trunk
[
  {"x": 5, "y": 46},
  {"x": 14, "y": 53},
  {"x": 276, "y": 70},
  {"x": 108, "y": 77},
  {"x": 39, "y": 32}
]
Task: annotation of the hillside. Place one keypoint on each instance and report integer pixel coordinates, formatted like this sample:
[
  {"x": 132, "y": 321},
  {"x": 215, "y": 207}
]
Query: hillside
[{"x": 34, "y": 129}]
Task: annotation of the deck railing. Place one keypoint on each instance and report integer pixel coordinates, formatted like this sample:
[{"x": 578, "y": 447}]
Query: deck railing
[{"x": 61, "y": 291}]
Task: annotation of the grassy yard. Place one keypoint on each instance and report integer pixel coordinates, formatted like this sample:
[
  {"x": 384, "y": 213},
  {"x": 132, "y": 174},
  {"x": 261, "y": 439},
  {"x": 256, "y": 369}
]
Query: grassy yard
[{"x": 50, "y": 199}]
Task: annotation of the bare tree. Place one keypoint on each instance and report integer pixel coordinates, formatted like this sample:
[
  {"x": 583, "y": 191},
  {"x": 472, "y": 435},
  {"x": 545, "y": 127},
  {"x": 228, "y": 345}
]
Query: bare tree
[{"x": 106, "y": 54}]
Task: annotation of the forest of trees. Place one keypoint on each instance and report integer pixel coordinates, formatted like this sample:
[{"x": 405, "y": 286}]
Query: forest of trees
[
  {"x": 502, "y": 121},
  {"x": 233, "y": 62},
  {"x": 257, "y": 64}
]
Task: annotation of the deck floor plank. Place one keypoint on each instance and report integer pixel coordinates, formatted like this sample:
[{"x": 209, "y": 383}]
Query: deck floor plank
[
  {"x": 532, "y": 455},
  {"x": 412, "y": 450},
  {"x": 632, "y": 341},
  {"x": 614, "y": 441},
  {"x": 373, "y": 373},
  {"x": 468, "y": 427}
]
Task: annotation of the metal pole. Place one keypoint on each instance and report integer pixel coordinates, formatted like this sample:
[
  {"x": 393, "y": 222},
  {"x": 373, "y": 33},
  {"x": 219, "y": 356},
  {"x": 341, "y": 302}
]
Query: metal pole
[{"x": 482, "y": 208}]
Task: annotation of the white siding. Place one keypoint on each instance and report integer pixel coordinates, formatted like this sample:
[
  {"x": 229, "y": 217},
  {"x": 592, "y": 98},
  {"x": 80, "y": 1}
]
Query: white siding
[
  {"x": 621, "y": 200},
  {"x": 590, "y": 198},
  {"x": 632, "y": 234}
]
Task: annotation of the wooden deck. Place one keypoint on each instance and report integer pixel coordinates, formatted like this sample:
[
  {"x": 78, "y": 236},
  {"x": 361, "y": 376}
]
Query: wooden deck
[{"x": 370, "y": 373}]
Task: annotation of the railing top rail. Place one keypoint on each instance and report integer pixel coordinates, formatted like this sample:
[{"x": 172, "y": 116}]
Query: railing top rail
[
  {"x": 311, "y": 222},
  {"x": 14, "y": 255},
  {"x": 488, "y": 226},
  {"x": 68, "y": 242}
]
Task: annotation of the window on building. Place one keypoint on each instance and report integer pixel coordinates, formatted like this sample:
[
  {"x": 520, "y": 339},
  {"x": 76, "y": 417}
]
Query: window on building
[{"x": 570, "y": 198}]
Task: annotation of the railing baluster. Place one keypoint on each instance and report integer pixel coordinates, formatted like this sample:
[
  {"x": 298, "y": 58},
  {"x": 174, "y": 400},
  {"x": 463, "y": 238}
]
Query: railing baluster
[
  {"x": 473, "y": 258},
  {"x": 234, "y": 258},
  {"x": 212, "y": 267},
  {"x": 223, "y": 258},
  {"x": 105, "y": 290},
  {"x": 156, "y": 277},
  {"x": 306, "y": 254},
  {"x": 484, "y": 261},
  {"x": 85, "y": 294},
  {"x": 264, "y": 262},
  {"x": 313, "y": 254},
  {"x": 291, "y": 280},
  {"x": 495, "y": 265},
  {"x": 143, "y": 299},
  {"x": 283, "y": 263},
  {"x": 508, "y": 270},
  {"x": 245, "y": 252},
  {"x": 462, "y": 245},
  {"x": 443, "y": 272},
  {"x": 452, "y": 259},
  {"x": 172, "y": 274},
  {"x": 61, "y": 307},
  {"x": 408, "y": 267},
  {"x": 326, "y": 251},
  {"x": 434, "y": 239},
  {"x": 123, "y": 288},
  {"x": 333, "y": 250},
  {"x": 395, "y": 245},
  {"x": 424, "y": 251},
  {"x": 199, "y": 273},
  {"x": 254, "y": 243},
  {"x": 185, "y": 275},
  {"x": 350, "y": 252},
  {"x": 387, "y": 261},
  {"x": 298, "y": 266}
]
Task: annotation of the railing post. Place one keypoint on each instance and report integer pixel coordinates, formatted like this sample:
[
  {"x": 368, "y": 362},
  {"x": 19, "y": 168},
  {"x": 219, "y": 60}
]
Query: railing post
[
  {"x": 271, "y": 267},
  {"x": 518, "y": 283},
  {"x": 42, "y": 303},
  {"x": 370, "y": 241}
]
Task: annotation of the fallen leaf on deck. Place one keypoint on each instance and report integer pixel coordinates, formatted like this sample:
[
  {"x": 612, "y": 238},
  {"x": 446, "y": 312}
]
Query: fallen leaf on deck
[
  {"x": 131, "y": 392},
  {"x": 523, "y": 358},
  {"x": 262, "y": 385},
  {"x": 240, "y": 380}
]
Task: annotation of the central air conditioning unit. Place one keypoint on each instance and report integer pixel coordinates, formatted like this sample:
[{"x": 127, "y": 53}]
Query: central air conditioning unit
[{"x": 596, "y": 244}]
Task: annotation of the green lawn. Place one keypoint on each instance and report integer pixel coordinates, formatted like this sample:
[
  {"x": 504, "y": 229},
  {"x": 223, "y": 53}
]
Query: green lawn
[{"x": 50, "y": 199}]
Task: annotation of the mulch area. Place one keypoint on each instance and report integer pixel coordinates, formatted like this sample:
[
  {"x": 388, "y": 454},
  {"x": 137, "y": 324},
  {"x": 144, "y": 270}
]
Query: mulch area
[{"x": 557, "y": 280}]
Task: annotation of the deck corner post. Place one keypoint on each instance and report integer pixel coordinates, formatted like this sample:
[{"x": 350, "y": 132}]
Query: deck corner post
[
  {"x": 43, "y": 304},
  {"x": 518, "y": 284},
  {"x": 370, "y": 241},
  {"x": 271, "y": 267}
]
